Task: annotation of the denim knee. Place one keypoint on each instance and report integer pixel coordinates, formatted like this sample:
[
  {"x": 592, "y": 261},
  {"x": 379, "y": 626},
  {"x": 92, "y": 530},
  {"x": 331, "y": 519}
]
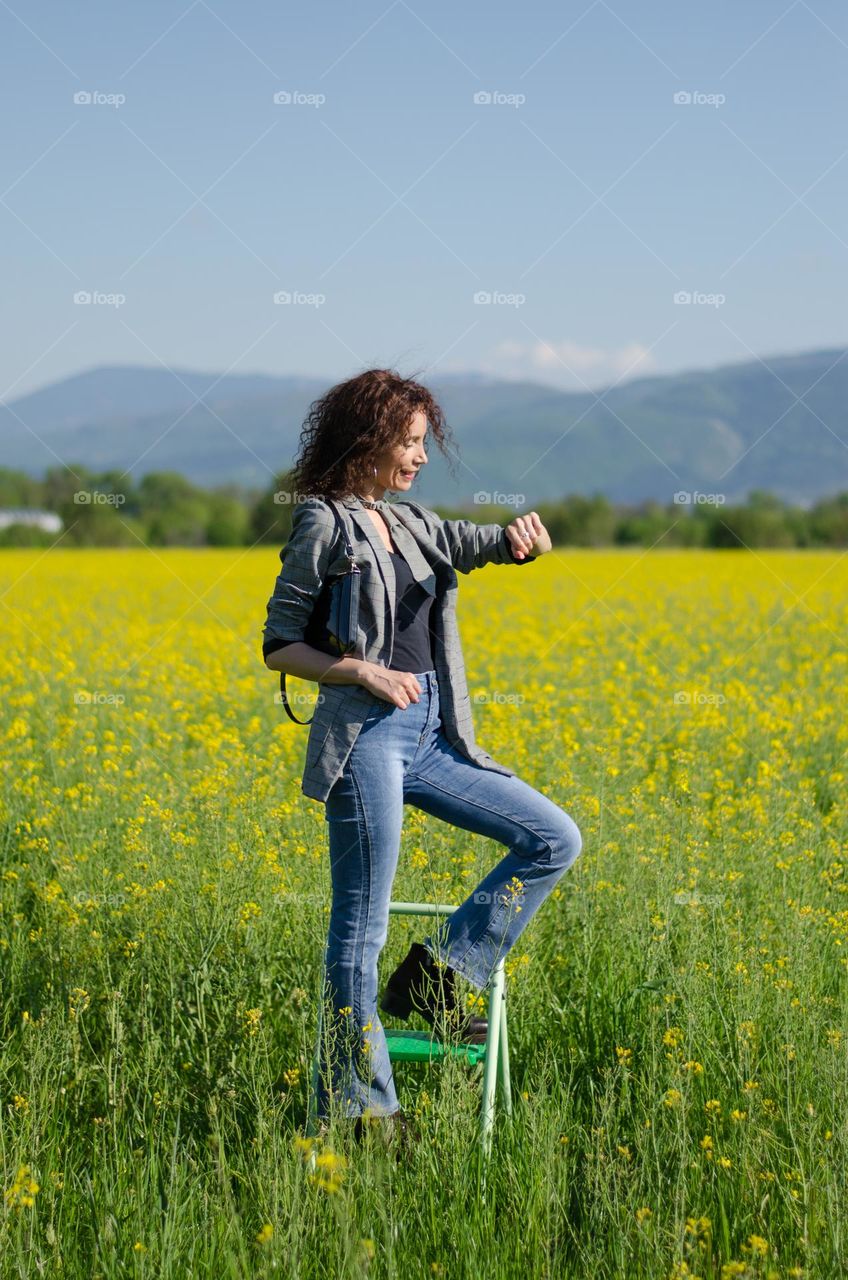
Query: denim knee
[{"x": 567, "y": 843}]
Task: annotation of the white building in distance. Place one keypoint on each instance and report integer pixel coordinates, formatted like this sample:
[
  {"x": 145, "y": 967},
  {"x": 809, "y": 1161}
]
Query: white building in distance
[{"x": 46, "y": 520}]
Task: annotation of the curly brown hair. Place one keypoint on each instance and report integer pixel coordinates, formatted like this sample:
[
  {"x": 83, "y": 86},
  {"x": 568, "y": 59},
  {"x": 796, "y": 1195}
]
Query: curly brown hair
[{"x": 353, "y": 423}]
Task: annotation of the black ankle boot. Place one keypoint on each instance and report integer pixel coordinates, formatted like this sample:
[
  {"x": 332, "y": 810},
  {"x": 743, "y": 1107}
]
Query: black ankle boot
[
  {"x": 421, "y": 985},
  {"x": 397, "y": 1129}
]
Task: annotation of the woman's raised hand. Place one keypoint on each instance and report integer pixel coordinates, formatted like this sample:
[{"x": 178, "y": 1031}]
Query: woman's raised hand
[{"x": 528, "y": 535}]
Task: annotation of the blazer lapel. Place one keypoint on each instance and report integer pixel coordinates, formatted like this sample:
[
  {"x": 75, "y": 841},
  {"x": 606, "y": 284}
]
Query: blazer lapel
[
  {"x": 366, "y": 525},
  {"x": 407, "y": 545},
  {"x": 405, "y": 542}
]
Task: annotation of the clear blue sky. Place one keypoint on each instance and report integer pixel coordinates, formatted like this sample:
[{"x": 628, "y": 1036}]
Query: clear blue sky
[{"x": 398, "y": 197}]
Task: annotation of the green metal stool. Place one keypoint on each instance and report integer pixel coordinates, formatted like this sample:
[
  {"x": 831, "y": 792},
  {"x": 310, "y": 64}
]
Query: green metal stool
[{"x": 422, "y": 1046}]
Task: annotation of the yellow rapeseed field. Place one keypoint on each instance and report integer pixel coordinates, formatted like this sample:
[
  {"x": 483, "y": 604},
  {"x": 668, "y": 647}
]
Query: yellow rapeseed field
[{"x": 677, "y": 1010}]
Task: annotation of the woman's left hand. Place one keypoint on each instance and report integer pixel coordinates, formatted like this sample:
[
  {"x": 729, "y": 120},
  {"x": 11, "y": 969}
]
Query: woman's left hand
[{"x": 528, "y": 535}]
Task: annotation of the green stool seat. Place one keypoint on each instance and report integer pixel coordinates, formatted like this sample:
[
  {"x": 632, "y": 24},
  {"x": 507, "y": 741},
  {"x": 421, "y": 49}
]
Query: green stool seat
[
  {"x": 420, "y": 1046},
  {"x": 423, "y": 1046}
]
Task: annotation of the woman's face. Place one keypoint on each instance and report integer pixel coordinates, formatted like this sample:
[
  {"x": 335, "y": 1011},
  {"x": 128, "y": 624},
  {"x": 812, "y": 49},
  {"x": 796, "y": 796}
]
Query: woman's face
[{"x": 397, "y": 469}]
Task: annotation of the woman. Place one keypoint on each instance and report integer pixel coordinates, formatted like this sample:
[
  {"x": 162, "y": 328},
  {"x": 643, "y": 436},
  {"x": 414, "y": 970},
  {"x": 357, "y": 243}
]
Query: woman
[{"x": 393, "y": 726}]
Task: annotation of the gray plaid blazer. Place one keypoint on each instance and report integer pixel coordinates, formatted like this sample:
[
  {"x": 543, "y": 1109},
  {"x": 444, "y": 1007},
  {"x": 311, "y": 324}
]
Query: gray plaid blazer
[{"x": 434, "y": 549}]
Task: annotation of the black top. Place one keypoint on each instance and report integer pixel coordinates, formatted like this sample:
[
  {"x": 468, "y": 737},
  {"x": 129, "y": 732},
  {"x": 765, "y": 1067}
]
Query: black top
[{"x": 414, "y": 647}]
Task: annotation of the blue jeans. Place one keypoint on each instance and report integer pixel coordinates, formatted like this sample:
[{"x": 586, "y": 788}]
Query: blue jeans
[{"x": 401, "y": 756}]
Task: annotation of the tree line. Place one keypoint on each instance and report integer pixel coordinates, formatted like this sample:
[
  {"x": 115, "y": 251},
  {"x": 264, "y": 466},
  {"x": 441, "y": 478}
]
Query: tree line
[{"x": 109, "y": 509}]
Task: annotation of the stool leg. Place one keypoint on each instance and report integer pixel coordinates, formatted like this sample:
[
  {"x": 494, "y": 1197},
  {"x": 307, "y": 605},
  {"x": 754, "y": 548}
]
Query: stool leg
[
  {"x": 503, "y": 1073},
  {"x": 312, "y": 1106},
  {"x": 490, "y": 1072},
  {"x": 312, "y": 1102}
]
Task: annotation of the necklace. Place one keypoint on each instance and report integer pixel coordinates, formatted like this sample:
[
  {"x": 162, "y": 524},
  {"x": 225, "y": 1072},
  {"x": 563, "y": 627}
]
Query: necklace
[{"x": 375, "y": 506}]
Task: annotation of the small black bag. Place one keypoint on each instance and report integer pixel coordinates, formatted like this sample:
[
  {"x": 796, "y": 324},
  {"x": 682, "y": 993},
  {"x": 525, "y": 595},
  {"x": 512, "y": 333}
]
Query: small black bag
[{"x": 332, "y": 628}]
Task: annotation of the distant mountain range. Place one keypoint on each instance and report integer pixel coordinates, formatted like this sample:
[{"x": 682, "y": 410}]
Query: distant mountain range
[{"x": 728, "y": 430}]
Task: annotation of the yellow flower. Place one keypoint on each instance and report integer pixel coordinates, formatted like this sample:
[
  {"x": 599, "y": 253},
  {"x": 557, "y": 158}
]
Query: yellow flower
[
  {"x": 330, "y": 1160},
  {"x": 264, "y": 1234},
  {"x": 23, "y": 1190},
  {"x": 252, "y": 1018}
]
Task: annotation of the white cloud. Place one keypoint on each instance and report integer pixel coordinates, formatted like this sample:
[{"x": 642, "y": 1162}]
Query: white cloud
[{"x": 567, "y": 364}]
